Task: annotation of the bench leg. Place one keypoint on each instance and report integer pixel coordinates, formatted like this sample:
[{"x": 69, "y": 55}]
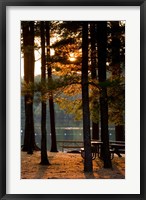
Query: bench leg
[
  {"x": 112, "y": 155},
  {"x": 93, "y": 156},
  {"x": 119, "y": 154},
  {"x": 83, "y": 155}
]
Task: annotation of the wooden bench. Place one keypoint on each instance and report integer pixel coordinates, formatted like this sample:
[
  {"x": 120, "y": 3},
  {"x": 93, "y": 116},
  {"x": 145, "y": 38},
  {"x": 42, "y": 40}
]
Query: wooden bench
[
  {"x": 70, "y": 144},
  {"x": 117, "y": 148}
]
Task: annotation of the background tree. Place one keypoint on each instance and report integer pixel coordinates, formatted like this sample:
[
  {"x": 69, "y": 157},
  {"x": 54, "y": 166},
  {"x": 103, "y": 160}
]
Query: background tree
[
  {"x": 51, "y": 102},
  {"x": 94, "y": 97},
  {"x": 117, "y": 71},
  {"x": 102, "y": 56},
  {"x": 85, "y": 101},
  {"x": 44, "y": 157},
  {"x": 28, "y": 49}
]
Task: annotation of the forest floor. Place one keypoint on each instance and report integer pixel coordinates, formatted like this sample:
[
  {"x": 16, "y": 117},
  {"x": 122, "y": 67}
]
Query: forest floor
[{"x": 68, "y": 166}]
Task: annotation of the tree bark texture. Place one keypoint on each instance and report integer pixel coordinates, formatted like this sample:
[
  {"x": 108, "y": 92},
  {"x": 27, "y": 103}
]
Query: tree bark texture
[
  {"x": 95, "y": 125},
  {"x": 85, "y": 101},
  {"x": 120, "y": 132},
  {"x": 28, "y": 45},
  {"x": 102, "y": 55},
  {"x": 116, "y": 70},
  {"x": 44, "y": 157},
  {"x": 51, "y": 102}
]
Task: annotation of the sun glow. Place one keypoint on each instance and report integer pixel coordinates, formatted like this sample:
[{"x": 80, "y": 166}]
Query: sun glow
[
  {"x": 52, "y": 52},
  {"x": 72, "y": 57}
]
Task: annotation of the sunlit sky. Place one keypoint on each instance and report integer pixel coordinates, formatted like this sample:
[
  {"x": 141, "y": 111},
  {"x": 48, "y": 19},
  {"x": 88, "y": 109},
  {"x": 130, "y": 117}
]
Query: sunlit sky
[
  {"x": 37, "y": 53},
  {"x": 37, "y": 66}
]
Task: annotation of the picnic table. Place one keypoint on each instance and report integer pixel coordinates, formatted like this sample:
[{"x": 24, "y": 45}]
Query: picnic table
[
  {"x": 97, "y": 145},
  {"x": 115, "y": 147},
  {"x": 95, "y": 148}
]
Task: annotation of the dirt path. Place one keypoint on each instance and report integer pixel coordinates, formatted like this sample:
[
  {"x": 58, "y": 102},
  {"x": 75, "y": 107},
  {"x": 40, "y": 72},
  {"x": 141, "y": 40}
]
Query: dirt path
[{"x": 68, "y": 166}]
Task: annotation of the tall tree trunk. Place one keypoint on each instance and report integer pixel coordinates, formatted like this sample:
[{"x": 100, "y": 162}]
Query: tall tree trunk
[
  {"x": 95, "y": 125},
  {"x": 95, "y": 131},
  {"x": 51, "y": 102},
  {"x": 44, "y": 157},
  {"x": 102, "y": 54},
  {"x": 120, "y": 132},
  {"x": 28, "y": 44},
  {"x": 116, "y": 70},
  {"x": 85, "y": 101}
]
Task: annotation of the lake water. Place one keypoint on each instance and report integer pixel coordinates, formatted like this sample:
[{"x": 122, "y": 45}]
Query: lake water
[{"x": 65, "y": 133}]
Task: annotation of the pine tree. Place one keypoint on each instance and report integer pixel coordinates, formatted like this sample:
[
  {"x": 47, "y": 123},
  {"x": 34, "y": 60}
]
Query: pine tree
[
  {"x": 85, "y": 101},
  {"x": 117, "y": 71},
  {"x": 28, "y": 48},
  {"x": 102, "y": 56},
  {"x": 51, "y": 101},
  {"x": 94, "y": 102},
  {"x": 44, "y": 157}
]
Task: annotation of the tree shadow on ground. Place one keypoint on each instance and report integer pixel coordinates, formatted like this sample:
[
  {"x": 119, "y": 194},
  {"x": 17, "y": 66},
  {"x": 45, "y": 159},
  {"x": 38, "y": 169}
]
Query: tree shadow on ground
[
  {"x": 68, "y": 166},
  {"x": 117, "y": 171},
  {"x": 89, "y": 175}
]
